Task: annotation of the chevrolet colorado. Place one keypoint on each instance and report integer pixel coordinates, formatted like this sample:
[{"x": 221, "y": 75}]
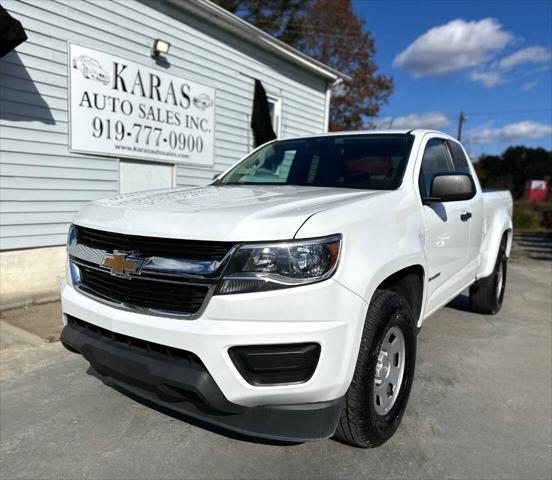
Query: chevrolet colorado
[{"x": 283, "y": 300}]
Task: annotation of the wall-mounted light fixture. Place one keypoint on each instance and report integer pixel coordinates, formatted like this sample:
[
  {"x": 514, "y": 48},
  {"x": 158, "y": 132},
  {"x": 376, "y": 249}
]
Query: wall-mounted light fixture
[{"x": 160, "y": 47}]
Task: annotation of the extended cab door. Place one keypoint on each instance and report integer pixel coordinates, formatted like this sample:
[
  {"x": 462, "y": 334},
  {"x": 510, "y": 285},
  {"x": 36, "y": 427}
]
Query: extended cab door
[
  {"x": 476, "y": 207},
  {"x": 447, "y": 229}
]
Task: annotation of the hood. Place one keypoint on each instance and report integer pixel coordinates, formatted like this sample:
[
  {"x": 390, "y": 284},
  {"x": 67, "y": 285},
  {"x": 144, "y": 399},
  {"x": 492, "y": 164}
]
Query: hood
[{"x": 227, "y": 213}]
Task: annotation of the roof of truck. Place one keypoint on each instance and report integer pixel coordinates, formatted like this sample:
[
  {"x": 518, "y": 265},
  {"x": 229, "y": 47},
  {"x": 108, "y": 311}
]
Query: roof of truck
[
  {"x": 414, "y": 131},
  {"x": 403, "y": 131}
]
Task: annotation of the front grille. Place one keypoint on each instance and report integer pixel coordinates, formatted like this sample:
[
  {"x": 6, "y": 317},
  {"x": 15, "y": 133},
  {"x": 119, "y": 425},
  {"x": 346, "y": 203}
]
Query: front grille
[
  {"x": 132, "y": 343},
  {"x": 143, "y": 292},
  {"x": 152, "y": 246}
]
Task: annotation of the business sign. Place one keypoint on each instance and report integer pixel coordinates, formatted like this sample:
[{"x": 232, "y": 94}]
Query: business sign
[{"x": 123, "y": 109}]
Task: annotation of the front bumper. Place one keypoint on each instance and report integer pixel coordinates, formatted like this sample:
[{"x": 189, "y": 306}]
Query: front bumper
[
  {"x": 183, "y": 384},
  {"x": 325, "y": 313}
]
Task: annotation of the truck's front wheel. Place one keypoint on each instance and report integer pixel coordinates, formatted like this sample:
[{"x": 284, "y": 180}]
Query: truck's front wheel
[{"x": 379, "y": 391}]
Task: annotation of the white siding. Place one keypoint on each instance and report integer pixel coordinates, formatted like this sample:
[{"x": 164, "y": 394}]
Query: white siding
[{"x": 42, "y": 184}]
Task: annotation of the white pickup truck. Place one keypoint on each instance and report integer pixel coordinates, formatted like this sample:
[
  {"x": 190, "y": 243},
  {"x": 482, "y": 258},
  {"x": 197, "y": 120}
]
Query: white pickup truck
[{"x": 283, "y": 300}]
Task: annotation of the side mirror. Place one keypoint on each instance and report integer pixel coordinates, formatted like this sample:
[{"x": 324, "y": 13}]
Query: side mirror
[
  {"x": 450, "y": 187},
  {"x": 216, "y": 179}
]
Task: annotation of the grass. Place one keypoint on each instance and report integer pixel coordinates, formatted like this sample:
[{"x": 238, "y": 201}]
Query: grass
[{"x": 532, "y": 216}]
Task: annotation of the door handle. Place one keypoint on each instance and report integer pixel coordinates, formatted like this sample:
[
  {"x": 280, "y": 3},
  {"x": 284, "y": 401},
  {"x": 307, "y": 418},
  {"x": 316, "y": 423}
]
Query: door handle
[{"x": 465, "y": 216}]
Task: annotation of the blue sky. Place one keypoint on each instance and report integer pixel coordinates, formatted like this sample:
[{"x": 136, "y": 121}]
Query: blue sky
[{"x": 448, "y": 56}]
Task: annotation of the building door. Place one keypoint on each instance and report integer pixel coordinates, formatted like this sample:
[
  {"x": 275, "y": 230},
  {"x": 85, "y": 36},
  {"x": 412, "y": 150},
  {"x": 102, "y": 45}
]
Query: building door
[{"x": 136, "y": 176}]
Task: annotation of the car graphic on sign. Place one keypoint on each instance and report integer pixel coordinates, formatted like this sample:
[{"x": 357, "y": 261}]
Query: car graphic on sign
[
  {"x": 91, "y": 69},
  {"x": 203, "y": 101}
]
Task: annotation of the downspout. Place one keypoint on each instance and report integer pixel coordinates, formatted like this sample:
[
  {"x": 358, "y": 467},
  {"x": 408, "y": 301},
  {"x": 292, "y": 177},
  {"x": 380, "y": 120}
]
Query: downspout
[{"x": 329, "y": 87}]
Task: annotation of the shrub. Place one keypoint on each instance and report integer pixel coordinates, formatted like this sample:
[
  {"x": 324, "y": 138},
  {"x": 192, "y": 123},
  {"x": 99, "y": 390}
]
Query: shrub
[{"x": 531, "y": 216}]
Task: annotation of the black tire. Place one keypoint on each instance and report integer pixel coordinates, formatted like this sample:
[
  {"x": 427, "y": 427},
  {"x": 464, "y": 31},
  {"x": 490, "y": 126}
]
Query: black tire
[
  {"x": 485, "y": 296},
  {"x": 360, "y": 425}
]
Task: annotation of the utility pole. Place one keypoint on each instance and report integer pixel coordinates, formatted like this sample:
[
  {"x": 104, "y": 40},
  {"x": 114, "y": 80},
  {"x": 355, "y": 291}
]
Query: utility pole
[{"x": 461, "y": 119}]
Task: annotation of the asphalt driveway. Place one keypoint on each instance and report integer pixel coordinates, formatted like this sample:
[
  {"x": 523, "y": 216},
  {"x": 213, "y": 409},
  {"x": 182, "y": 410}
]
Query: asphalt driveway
[{"x": 481, "y": 407}]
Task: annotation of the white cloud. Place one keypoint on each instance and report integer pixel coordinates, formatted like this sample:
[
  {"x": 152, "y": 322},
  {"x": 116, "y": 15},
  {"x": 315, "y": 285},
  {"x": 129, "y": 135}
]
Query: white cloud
[
  {"x": 513, "y": 132},
  {"x": 536, "y": 55},
  {"x": 529, "y": 85},
  {"x": 493, "y": 74},
  {"x": 434, "y": 120},
  {"x": 455, "y": 46},
  {"x": 489, "y": 79}
]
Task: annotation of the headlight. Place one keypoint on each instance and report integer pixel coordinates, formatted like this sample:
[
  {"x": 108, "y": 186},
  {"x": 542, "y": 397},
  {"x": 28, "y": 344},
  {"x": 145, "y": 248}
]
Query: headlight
[
  {"x": 71, "y": 235},
  {"x": 259, "y": 267},
  {"x": 72, "y": 272}
]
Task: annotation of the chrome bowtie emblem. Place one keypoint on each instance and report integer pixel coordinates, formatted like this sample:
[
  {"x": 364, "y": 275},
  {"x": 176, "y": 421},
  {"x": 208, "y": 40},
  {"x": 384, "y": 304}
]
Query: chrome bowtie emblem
[{"x": 120, "y": 265}]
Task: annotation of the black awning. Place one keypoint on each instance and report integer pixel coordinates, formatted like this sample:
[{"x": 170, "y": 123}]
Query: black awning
[
  {"x": 11, "y": 32},
  {"x": 261, "y": 123}
]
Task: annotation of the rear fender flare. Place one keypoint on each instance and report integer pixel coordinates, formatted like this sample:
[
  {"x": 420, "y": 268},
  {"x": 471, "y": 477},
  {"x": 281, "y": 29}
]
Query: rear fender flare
[{"x": 500, "y": 225}]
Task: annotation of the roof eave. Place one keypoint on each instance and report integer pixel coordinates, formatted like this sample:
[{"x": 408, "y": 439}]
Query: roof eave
[{"x": 237, "y": 26}]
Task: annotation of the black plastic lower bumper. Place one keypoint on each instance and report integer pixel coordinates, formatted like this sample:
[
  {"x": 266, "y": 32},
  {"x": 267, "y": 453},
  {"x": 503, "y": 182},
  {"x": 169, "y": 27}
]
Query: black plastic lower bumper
[{"x": 178, "y": 380}]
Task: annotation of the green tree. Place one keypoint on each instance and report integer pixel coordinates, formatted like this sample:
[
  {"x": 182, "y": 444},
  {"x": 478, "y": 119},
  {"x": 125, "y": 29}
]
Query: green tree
[
  {"x": 335, "y": 35},
  {"x": 514, "y": 167},
  {"x": 330, "y": 31},
  {"x": 283, "y": 19}
]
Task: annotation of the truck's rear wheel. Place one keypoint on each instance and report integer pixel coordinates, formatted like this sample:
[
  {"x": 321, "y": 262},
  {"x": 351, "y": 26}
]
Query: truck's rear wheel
[
  {"x": 379, "y": 391},
  {"x": 487, "y": 294}
]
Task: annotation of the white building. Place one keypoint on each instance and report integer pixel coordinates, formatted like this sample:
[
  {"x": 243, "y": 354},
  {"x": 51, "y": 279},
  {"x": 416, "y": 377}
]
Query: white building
[{"x": 80, "y": 96}]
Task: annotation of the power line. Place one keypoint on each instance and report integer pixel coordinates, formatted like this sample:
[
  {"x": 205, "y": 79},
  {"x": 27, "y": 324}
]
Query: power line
[{"x": 505, "y": 112}]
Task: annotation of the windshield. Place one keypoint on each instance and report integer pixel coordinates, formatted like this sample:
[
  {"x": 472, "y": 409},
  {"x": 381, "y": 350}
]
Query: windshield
[{"x": 372, "y": 162}]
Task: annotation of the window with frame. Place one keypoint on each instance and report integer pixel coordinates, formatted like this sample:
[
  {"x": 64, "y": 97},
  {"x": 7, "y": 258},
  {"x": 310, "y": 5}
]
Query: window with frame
[
  {"x": 275, "y": 111},
  {"x": 435, "y": 160},
  {"x": 459, "y": 159},
  {"x": 371, "y": 162}
]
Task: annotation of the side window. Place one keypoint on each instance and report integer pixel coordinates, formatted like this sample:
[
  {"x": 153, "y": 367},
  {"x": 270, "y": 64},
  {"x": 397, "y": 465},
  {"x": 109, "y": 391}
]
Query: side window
[
  {"x": 436, "y": 160},
  {"x": 459, "y": 159}
]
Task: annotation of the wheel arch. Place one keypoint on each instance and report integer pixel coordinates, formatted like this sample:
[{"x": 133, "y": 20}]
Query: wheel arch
[
  {"x": 409, "y": 282},
  {"x": 499, "y": 235},
  {"x": 506, "y": 241}
]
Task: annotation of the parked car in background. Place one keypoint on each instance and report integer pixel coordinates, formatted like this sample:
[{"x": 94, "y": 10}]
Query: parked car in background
[{"x": 284, "y": 299}]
